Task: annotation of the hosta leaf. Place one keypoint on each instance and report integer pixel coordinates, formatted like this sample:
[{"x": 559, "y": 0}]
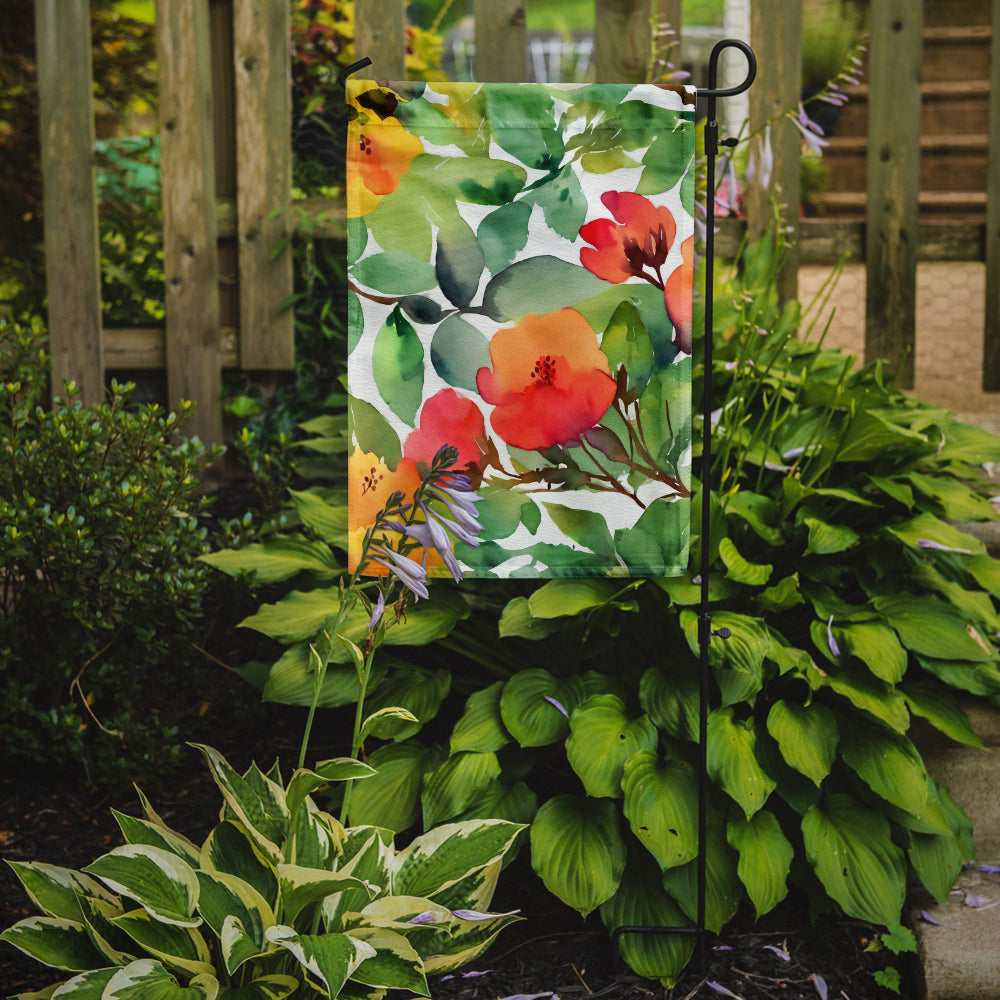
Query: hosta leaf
[
  {"x": 723, "y": 889},
  {"x": 230, "y": 849},
  {"x": 304, "y": 782},
  {"x": 516, "y": 620},
  {"x": 738, "y": 661},
  {"x": 765, "y": 858},
  {"x": 828, "y": 539},
  {"x": 466, "y": 941},
  {"x": 732, "y": 760},
  {"x": 395, "y": 964},
  {"x": 225, "y": 897},
  {"x": 301, "y": 887},
  {"x": 671, "y": 699},
  {"x": 323, "y": 518},
  {"x": 180, "y": 948},
  {"x": 937, "y": 860},
  {"x": 456, "y": 784},
  {"x": 273, "y": 987},
  {"x": 516, "y": 803},
  {"x": 530, "y": 706},
  {"x": 876, "y": 646},
  {"x": 928, "y": 528},
  {"x": 481, "y": 728},
  {"x": 932, "y": 628},
  {"x": 280, "y": 557},
  {"x": 738, "y": 569},
  {"x": 142, "y": 831},
  {"x": 936, "y": 704},
  {"x": 976, "y": 678},
  {"x": 86, "y": 986},
  {"x": 54, "y": 941},
  {"x": 866, "y": 692},
  {"x": 850, "y": 848},
  {"x": 578, "y": 851},
  {"x": 147, "y": 979},
  {"x": 441, "y": 857},
  {"x": 418, "y": 690},
  {"x": 888, "y": 763},
  {"x": 330, "y": 959},
  {"x": 641, "y": 901},
  {"x": 601, "y": 739},
  {"x": 159, "y": 881},
  {"x": 661, "y": 798},
  {"x": 56, "y": 891},
  {"x": 560, "y": 598},
  {"x": 783, "y": 595},
  {"x": 807, "y": 736},
  {"x": 391, "y": 798}
]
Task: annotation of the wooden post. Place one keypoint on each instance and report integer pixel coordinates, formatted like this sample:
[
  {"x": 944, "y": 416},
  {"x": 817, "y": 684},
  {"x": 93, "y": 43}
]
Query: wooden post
[
  {"x": 991, "y": 333},
  {"x": 621, "y": 41},
  {"x": 776, "y": 35},
  {"x": 261, "y": 40},
  {"x": 501, "y": 41},
  {"x": 72, "y": 256},
  {"x": 893, "y": 183},
  {"x": 380, "y": 34},
  {"x": 190, "y": 254}
]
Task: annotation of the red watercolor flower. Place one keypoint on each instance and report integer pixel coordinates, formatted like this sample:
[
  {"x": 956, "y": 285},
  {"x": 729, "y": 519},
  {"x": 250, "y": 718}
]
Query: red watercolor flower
[
  {"x": 641, "y": 239},
  {"x": 677, "y": 296},
  {"x": 549, "y": 381},
  {"x": 447, "y": 418}
]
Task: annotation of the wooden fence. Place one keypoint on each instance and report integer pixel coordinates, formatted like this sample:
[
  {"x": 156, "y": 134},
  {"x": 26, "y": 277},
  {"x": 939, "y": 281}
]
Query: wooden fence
[{"x": 226, "y": 161}]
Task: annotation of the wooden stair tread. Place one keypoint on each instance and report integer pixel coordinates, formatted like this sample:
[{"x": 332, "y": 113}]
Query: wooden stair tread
[
  {"x": 936, "y": 199},
  {"x": 933, "y": 89},
  {"x": 958, "y": 33},
  {"x": 847, "y": 145}
]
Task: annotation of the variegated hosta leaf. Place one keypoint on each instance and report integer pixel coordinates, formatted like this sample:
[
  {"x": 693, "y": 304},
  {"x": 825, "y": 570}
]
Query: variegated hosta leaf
[
  {"x": 850, "y": 847},
  {"x": 467, "y": 941},
  {"x": 304, "y": 782},
  {"x": 765, "y": 858},
  {"x": 56, "y": 891},
  {"x": 602, "y": 737},
  {"x": 732, "y": 760},
  {"x": 230, "y": 849},
  {"x": 315, "y": 839},
  {"x": 441, "y": 857},
  {"x": 456, "y": 784},
  {"x": 807, "y": 736},
  {"x": 328, "y": 959},
  {"x": 481, "y": 728},
  {"x": 54, "y": 941},
  {"x": 274, "y": 987},
  {"x": 642, "y": 902},
  {"x": 177, "y": 947},
  {"x": 300, "y": 887},
  {"x": 367, "y": 853},
  {"x": 578, "y": 851},
  {"x": 86, "y": 986},
  {"x": 224, "y": 898},
  {"x": 661, "y": 799},
  {"x": 475, "y": 891},
  {"x": 256, "y": 801},
  {"x": 723, "y": 889},
  {"x": 116, "y": 947},
  {"x": 147, "y": 979},
  {"x": 395, "y": 964},
  {"x": 141, "y": 831},
  {"x": 158, "y": 880}
]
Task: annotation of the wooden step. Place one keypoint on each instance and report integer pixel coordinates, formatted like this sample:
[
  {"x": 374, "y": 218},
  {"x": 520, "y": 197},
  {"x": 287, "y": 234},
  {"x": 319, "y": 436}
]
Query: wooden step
[
  {"x": 947, "y": 162},
  {"x": 939, "y": 13},
  {"x": 956, "y": 53},
  {"x": 946, "y": 106},
  {"x": 956, "y": 206}
]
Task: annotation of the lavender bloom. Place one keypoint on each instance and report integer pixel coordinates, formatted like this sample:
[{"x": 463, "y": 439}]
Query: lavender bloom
[
  {"x": 411, "y": 574},
  {"x": 558, "y": 705},
  {"x": 811, "y": 132},
  {"x": 834, "y": 648},
  {"x": 431, "y": 535},
  {"x": 377, "y": 611},
  {"x": 761, "y": 163},
  {"x": 820, "y": 983},
  {"x": 474, "y": 915},
  {"x": 927, "y": 543},
  {"x": 426, "y": 917}
]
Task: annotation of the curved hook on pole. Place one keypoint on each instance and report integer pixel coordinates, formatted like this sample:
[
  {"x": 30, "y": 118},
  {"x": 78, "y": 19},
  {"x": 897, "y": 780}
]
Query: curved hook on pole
[
  {"x": 348, "y": 70},
  {"x": 713, "y": 69}
]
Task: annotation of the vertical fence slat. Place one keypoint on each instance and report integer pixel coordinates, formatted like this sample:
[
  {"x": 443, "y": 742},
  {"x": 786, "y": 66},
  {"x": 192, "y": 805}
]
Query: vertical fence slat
[
  {"x": 776, "y": 35},
  {"x": 190, "y": 253},
  {"x": 261, "y": 58},
  {"x": 991, "y": 332},
  {"x": 893, "y": 183},
  {"x": 380, "y": 34},
  {"x": 72, "y": 257},
  {"x": 501, "y": 41},
  {"x": 621, "y": 40}
]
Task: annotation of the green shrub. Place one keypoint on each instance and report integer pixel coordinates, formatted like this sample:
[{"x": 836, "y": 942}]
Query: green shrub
[
  {"x": 279, "y": 900},
  {"x": 854, "y": 604},
  {"x": 99, "y": 542}
]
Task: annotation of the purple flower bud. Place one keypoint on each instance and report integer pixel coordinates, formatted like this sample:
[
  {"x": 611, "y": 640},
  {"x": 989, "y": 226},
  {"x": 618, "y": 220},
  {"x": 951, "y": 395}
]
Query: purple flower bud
[
  {"x": 834, "y": 648},
  {"x": 558, "y": 705}
]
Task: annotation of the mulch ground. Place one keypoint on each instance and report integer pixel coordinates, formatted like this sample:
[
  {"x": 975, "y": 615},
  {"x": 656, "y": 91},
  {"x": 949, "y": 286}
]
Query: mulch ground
[{"x": 550, "y": 953}]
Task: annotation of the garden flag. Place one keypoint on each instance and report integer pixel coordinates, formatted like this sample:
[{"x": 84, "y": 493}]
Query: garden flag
[{"x": 520, "y": 262}]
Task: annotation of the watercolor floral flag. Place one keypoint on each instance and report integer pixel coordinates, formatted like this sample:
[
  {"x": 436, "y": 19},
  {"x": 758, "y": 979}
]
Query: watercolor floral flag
[{"x": 520, "y": 279}]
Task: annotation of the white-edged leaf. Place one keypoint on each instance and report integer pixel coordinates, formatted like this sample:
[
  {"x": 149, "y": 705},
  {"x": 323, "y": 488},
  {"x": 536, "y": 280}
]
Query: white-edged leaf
[
  {"x": 55, "y": 890},
  {"x": 147, "y": 979},
  {"x": 300, "y": 887},
  {"x": 54, "y": 941},
  {"x": 329, "y": 959},
  {"x": 177, "y": 947}
]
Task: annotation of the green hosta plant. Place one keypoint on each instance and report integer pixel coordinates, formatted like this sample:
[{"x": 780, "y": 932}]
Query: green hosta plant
[
  {"x": 279, "y": 900},
  {"x": 855, "y": 604}
]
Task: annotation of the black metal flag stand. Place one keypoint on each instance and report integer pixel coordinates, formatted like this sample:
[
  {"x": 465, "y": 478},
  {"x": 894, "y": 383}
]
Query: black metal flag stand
[{"x": 705, "y": 631}]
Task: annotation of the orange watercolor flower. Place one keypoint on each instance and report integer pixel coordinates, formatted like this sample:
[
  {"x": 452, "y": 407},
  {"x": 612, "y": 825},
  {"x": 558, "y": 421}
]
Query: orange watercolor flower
[
  {"x": 370, "y": 483},
  {"x": 379, "y": 152},
  {"x": 549, "y": 381},
  {"x": 677, "y": 296},
  {"x": 447, "y": 418},
  {"x": 641, "y": 238}
]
